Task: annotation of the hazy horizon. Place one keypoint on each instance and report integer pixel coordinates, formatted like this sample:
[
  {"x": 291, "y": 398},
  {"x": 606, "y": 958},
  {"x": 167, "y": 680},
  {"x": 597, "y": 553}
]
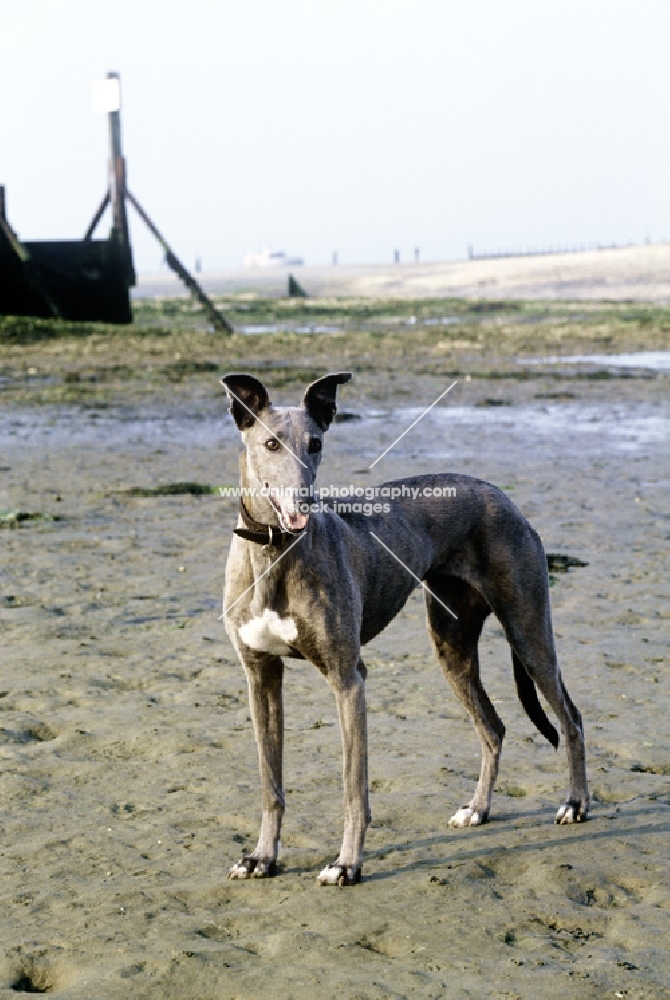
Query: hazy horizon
[{"x": 352, "y": 128}]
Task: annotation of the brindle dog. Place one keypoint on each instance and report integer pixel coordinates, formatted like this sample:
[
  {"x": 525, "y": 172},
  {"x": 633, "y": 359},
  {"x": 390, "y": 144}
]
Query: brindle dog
[{"x": 320, "y": 585}]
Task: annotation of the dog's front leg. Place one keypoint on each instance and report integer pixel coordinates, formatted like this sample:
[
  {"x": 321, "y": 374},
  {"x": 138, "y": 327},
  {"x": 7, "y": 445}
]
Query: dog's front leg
[
  {"x": 265, "y": 675},
  {"x": 350, "y": 697}
]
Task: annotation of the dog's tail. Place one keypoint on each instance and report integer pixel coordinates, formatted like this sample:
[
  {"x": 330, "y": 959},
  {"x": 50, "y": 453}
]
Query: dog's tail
[{"x": 531, "y": 703}]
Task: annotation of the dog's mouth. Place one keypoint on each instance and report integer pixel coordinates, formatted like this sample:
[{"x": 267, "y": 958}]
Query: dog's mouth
[
  {"x": 292, "y": 521},
  {"x": 296, "y": 521}
]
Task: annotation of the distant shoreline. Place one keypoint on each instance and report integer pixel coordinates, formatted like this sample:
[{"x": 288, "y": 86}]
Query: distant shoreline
[{"x": 640, "y": 274}]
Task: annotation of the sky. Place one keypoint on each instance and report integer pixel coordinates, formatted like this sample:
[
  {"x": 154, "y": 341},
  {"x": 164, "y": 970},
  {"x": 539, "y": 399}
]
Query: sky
[{"x": 360, "y": 127}]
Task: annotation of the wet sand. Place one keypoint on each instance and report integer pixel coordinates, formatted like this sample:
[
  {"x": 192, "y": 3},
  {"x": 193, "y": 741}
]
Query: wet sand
[{"x": 128, "y": 773}]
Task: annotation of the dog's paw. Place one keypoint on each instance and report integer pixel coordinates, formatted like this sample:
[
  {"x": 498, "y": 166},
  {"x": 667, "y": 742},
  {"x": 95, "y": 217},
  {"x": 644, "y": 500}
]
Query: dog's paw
[
  {"x": 467, "y": 816},
  {"x": 337, "y": 874},
  {"x": 571, "y": 811},
  {"x": 250, "y": 867}
]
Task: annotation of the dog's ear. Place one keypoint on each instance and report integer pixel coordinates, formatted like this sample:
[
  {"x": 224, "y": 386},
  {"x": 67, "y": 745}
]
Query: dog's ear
[
  {"x": 319, "y": 400},
  {"x": 247, "y": 398}
]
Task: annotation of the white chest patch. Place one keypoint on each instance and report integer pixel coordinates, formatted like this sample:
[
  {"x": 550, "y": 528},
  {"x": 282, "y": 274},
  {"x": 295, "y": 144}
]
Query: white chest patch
[{"x": 269, "y": 633}]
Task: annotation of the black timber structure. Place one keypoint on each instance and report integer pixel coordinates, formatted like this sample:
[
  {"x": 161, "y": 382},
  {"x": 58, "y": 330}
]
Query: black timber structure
[{"x": 85, "y": 279}]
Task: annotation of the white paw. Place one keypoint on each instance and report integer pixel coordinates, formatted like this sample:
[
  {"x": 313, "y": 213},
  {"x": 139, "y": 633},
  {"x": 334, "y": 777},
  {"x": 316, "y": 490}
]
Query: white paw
[
  {"x": 339, "y": 875},
  {"x": 239, "y": 870},
  {"x": 570, "y": 812},
  {"x": 253, "y": 868},
  {"x": 467, "y": 817}
]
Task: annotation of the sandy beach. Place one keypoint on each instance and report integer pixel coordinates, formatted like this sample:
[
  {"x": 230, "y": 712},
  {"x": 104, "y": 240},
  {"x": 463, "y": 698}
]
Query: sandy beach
[
  {"x": 128, "y": 772},
  {"x": 636, "y": 274}
]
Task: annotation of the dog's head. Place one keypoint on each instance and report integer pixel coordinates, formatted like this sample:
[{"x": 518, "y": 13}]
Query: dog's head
[{"x": 283, "y": 444}]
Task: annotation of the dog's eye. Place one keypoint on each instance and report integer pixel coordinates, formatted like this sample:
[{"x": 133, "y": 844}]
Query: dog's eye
[
  {"x": 272, "y": 444},
  {"x": 314, "y": 446}
]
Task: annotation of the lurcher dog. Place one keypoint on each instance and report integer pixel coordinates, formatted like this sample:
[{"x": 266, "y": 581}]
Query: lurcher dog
[{"x": 320, "y": 585}]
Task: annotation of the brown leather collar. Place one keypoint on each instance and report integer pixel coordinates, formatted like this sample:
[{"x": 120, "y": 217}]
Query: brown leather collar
[{"x": 262, "y": 534}]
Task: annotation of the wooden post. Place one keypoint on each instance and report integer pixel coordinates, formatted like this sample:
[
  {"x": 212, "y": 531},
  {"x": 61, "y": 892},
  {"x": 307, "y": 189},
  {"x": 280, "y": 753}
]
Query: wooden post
[
  {"x": 117, "y": 188},
  {"x": 96, "y": 218},
  {"x": 3, "y": 209},
  {"x": 218, "y": 321},
  {"x": 117, "y": 195},
  {"x": 117, "y": 170}
]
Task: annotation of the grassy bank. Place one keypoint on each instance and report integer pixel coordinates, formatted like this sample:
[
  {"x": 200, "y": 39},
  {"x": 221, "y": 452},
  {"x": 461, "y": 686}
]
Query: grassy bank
[{"x": 292, "y": 341}]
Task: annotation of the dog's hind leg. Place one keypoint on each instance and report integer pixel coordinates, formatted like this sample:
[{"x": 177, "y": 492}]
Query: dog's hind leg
[
  {"x": 537, "y": 660},
  {"x": 264, "y": 676},
  {"x": 527, "y": 624},
  {"x": 455, "y": 643}
]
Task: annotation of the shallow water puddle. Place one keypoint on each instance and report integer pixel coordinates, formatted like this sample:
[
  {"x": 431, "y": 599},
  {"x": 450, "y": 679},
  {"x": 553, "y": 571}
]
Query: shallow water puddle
[
  {"x": 627, "y": 426},
  {"x": 624, "y": 426},
  {"x": 657, "y": 360}
]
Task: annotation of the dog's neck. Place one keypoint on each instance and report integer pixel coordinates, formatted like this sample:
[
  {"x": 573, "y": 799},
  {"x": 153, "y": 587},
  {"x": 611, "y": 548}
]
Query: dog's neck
[{"x": 262, "y": 534}]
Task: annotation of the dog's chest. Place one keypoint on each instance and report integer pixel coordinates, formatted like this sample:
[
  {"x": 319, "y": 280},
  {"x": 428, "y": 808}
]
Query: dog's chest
[{"x": 268, "y": 633}]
